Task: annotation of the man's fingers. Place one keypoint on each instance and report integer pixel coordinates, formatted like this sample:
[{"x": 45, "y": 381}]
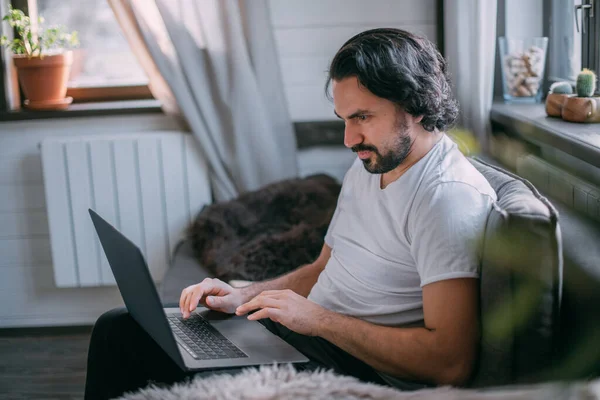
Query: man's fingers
[
  {"x": 196, "y": 294},
  {"x": 203, "y": 290},
  {"x": 186, "y": 304},
  {"x": 182, "y": 298},
  {"x": 256, "y": 303},
  {"x": 249, "y": 306},
  {"x": 219, "y": 303},
  {"x": 271, "y": 313},
  {"x": 264, "y": 313},
  {"x": 195, "y": 298},
  {"x": 214, "y": 301}
]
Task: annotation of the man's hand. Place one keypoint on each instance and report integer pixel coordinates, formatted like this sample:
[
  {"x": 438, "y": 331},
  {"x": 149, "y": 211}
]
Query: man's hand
[
  {"x": 295, "y": 312},
  {"x": 210, "y": 293}
]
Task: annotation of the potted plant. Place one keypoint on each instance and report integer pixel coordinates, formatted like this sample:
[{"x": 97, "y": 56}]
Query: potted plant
[
  {"x": 585, "y": 107},
  {"x": 42, "y": 60},
  {"x": 559, "y": 92}
]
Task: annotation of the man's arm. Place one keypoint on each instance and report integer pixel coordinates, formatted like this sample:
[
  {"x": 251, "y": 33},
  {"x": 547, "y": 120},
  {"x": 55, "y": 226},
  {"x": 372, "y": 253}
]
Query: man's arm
[
  {"x": 220, "y": 296},
  {"x": 443, "y": 352},
  {"x": 301, "y": 280}
]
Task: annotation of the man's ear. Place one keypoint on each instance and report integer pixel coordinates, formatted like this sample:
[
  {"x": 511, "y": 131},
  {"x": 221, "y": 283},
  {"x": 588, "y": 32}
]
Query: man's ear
[{"x": 418, "y": 119}]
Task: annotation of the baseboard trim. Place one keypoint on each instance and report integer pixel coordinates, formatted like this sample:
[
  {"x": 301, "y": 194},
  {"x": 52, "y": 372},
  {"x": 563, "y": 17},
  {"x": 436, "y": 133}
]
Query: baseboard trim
[
  {"x": 45, "y": 331},
  {"x": 51, "y": 320}
]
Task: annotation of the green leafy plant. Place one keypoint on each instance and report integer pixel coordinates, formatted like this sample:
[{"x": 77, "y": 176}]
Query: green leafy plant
[
  {"x": 35, "y": 44},
  {"x": 586, "y": 83},
  {"x": 561, "y": 88}
]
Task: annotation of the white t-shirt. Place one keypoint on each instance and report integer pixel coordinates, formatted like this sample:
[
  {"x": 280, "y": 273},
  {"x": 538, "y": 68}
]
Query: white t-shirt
[{"x": 389, "y": 243}]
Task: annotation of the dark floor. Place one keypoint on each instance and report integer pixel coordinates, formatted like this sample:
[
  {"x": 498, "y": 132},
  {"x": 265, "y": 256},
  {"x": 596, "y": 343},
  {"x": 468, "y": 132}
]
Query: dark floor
[
  {"x": 43, "y": 364},
  {"x": 50, "y": 363}
]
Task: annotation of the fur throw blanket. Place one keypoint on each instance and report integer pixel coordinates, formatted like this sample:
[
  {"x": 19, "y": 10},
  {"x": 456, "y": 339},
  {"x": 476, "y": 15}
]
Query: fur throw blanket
[
  {"x": 268, "y": 232},
  {"x": 285, "y": 383}
]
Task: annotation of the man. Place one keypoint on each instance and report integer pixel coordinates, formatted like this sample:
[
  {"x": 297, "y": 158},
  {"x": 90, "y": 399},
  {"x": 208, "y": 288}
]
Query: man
[{"x": 393, "y": 296}]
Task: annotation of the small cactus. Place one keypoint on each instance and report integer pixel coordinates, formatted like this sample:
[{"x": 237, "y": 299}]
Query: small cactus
[
  {"x": 561, "y": 88},
  {"x": 586, "y": 83}
]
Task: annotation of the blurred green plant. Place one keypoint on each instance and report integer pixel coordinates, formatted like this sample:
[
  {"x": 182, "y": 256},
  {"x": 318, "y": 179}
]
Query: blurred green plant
[
  {"x": 514, "y": 313},
  {"x": 516, "y": 250},
  {"x": 35, "y": 44},
  {"x": 466, "y": 141},
  {"x": 512, "y": 250}
]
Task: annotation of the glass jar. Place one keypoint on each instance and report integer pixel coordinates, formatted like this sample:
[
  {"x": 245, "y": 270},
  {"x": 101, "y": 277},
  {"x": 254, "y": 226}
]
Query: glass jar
[{"x": 523, "y": 62}]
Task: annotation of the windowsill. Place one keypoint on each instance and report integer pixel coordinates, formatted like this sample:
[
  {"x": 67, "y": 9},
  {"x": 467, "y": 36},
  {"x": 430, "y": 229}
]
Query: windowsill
[
  {"x": 529, "y": 122},
  {"x": 105, "y": 108},
  {"x": 319, "y": 133}
]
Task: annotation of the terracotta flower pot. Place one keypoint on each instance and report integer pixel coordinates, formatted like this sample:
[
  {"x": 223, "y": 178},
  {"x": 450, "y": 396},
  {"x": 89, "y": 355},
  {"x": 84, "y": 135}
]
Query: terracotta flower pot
[
  {"x": 581, "y": 109},
  {"x": 44, "y": 79},
  {"x": 555, "y": 103}
]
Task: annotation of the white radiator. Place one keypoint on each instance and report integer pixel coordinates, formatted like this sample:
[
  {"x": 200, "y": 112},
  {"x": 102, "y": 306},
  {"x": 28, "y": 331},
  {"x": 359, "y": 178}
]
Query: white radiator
[{"x": 148, "y": 185}]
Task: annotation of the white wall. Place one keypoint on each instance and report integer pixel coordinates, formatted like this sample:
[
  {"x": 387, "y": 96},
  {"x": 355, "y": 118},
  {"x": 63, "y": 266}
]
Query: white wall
[
  {"x": 331, "y": 160},
  {"x": 27, "y": 292},
  {"x": 308, "y": 33}
]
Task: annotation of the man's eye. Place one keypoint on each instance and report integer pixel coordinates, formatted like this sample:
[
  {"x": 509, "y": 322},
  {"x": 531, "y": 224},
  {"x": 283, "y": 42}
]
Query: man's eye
[{"x": 362, "y": 117}]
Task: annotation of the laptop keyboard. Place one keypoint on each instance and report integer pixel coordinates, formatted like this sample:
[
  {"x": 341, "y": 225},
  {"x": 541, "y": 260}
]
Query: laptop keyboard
[{"x": 199, "y": 338}]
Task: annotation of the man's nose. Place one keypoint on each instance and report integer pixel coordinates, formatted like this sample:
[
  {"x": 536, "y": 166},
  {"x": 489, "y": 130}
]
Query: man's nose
[{"x": 352, "y": 136}]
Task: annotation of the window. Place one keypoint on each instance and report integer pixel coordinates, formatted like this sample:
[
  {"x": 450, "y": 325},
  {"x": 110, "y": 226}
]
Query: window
[
  {"x": 564, "y": 41},
  {"x": 104, "y": 68},
  {"x": 590, "y": 22},
  {"x": 573, "y": 29}
]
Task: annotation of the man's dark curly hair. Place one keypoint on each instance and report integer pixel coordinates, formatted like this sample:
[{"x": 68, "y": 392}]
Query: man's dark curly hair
[{"x": 401, "y": 67}]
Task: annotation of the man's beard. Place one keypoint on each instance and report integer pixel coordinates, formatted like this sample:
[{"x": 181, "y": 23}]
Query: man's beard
[{"x": 381, "y": 163}]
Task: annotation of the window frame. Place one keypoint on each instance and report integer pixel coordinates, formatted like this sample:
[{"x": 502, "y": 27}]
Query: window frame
[
  {"x": 84, "y": 94},
  {"x": 3, "y": 102},
  {"x": 87, "y": 94},
  {"x": 590, "y": 43},
  {"x": 555, "y": 73},
  {"x": 590, "y": 51}
]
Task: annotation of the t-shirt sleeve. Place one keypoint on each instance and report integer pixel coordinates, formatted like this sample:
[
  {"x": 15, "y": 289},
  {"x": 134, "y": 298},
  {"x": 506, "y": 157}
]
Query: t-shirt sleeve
[{"x": 447, "y": 231}]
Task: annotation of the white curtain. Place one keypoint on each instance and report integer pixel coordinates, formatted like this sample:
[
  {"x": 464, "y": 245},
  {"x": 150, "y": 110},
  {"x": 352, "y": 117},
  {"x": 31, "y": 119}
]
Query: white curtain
[
  {"x": 215, "y": 63},
  {"x": 470, "y": 47}
]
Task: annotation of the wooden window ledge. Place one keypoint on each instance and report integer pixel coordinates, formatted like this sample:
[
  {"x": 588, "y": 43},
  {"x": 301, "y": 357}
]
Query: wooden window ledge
[
  {"x": 530, "y": 122},
  {"x": 105, "y": 108}
]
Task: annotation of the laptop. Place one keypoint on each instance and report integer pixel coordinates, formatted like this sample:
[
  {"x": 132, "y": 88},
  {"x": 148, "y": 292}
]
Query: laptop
[{"x": 207, "y": 339}]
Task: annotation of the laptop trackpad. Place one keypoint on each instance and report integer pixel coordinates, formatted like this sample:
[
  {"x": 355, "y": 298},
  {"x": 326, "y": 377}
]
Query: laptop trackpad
[{"x": 240, "y": 330}]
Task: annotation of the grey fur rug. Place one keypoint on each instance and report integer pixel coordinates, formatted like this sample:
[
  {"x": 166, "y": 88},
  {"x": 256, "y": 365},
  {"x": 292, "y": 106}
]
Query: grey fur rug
[{"x": 284, "y": 383}]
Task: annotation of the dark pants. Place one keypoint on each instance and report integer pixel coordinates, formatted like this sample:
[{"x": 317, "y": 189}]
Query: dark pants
[{"x": 123, "y": 357}]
